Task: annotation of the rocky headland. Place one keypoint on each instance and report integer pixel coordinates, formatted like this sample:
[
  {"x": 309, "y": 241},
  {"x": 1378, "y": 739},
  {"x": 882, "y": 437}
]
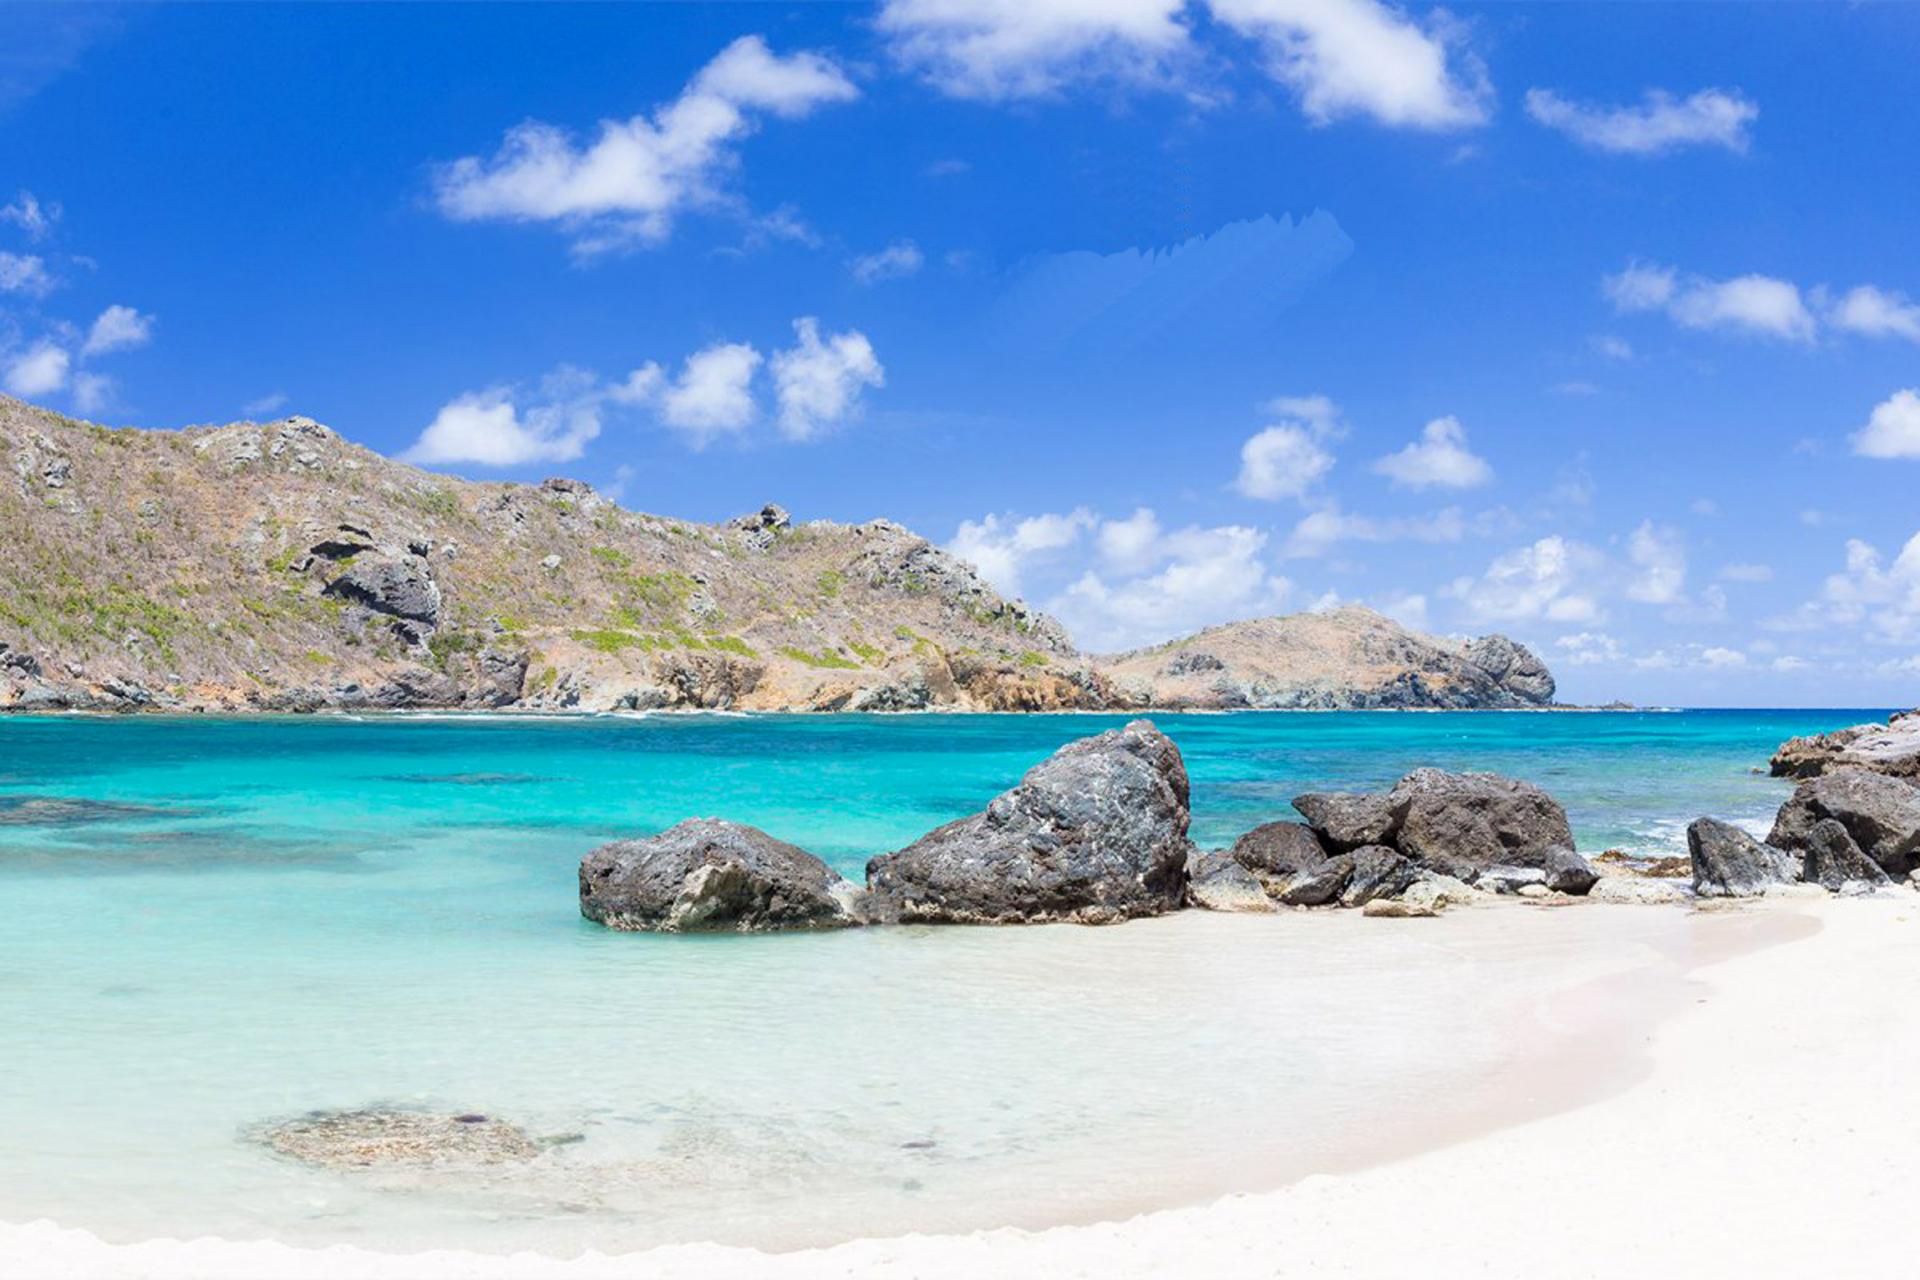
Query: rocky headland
[
  {"x": 279, "y": 567},
  {"x": 1892, "y": 748}
]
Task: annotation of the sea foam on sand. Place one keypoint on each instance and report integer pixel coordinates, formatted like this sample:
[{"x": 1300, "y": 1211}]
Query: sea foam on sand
[{"x": 1767, "y": 1133}]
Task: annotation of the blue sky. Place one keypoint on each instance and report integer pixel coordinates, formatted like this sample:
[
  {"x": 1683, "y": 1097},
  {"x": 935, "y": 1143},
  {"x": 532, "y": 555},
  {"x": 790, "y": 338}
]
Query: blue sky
[{"x": 1593, "y": 324}]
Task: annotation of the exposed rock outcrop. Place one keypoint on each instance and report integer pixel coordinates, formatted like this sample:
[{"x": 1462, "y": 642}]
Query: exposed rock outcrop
[
  {"x": 1729, "y": 863},
  {"x": 1095, "y": 833},
  {"x": 1881, "y": 814},
  {"x": 1892, "y": 748},
  {"x": 390, "y": 1139},
  {"x": 1835, "y": 862},
  {"x": 706, "y": 874}
]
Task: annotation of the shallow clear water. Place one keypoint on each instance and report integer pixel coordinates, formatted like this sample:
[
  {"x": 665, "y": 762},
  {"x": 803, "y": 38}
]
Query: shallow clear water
[{"x": 207, "y": 924}]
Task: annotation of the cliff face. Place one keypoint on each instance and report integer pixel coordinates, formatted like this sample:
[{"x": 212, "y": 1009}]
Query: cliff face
[
  {"x": 277, "y": 566},
  {"x": 1347, "y": 658}
]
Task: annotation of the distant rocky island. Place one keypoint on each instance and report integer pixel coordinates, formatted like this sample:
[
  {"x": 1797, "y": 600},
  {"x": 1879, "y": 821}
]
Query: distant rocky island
[{"x": 279, "y": 567}]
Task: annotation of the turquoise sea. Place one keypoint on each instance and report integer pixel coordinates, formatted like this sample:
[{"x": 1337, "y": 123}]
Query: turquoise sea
[{"x": 208, "y": 924}]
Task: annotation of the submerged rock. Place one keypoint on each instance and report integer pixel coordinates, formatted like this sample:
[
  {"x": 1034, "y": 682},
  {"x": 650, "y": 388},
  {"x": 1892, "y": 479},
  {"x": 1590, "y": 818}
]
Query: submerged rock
[
  {"x": 1096, "y": 833},
  {"x": 1880, "y": 813},
  {"x": 709, "y": 874},
  {"x": 374, "y": 1138},
  {"x": 1729, "y": 863},
  {"x": 1215, "y": 882}
]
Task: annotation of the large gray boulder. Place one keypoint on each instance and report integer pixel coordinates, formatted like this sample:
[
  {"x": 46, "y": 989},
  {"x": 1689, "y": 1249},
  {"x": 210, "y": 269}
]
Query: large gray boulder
[
  {"x": 1378, "y": 872},
  {"x": 707, "y": 874},
  {"x": 1463, "y": 823},
  {"x": 1729, "y": 863},
  {"x": 1880, "y": 813},
  {"x": 1095, "y": 833},
  {"x": 1316, "y": 886},
  {"x": 1348, "y": 820},
  {"x": 1836, "y": 863},
  {"x": 1275, "y": 850}
]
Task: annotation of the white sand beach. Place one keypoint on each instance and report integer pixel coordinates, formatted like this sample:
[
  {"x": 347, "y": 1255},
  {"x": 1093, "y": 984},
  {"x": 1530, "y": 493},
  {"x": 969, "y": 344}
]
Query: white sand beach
[{"x": 1760, "y": 1131}]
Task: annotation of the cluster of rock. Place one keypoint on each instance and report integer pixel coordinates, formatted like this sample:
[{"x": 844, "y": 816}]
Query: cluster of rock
[
  {"x": 1098, "y": 833},
  {"x": 1892, "y": 748},
  {"x": 1848, "y": 831}
]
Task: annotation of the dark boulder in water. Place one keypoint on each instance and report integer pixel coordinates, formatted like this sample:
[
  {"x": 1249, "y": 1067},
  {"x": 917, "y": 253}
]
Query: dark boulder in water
[
  {"x": 1096, "y": 833},
  {"x": 707, "y": 874}
]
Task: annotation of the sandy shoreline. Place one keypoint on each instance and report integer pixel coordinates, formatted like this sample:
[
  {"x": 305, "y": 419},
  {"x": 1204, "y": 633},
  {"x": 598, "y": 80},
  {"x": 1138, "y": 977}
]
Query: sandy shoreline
[{"x": 1755, "y": 1133}]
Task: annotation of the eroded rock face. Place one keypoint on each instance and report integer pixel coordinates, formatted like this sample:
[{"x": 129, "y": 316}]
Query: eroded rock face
[
  {"x": 1880, "y": 813},
  {"x": 1462, "y": 823},
  {"x": 1096, "y": 833},
  {"x": 399, "y": 588},
  {"x": 1892, "y": 748},
  {"x": 385, "y": 1139},
  {"x": 706, "y": 874},
  {"x": 1513, "y": 666},
  {"x": 1729, "y": 863}
]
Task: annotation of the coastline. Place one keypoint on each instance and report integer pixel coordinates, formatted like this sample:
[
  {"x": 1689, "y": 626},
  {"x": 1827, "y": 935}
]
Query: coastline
[{"x": 1771, "y": 1169}]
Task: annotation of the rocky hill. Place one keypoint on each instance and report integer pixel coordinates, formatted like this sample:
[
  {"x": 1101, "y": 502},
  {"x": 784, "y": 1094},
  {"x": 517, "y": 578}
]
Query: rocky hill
[
  {"x": 276, "y": 566},
  {"x": 1342, "y": 659}
]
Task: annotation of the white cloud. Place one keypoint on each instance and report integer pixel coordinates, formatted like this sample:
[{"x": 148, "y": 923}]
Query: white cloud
[
  {"x": 39, "y": 370},
  {"x": 1588, "y": 648},
  {"x": 488, "y": 428},
  {"x": 1438, "y": 459},
  {"x": 92, "y": 392},
  {"x": 1000, "y": 549},
  {"x": 1660, "y": 122},
  {"x": 1787, "y": 662},
  {"x": 630, "y": 182},
  {"x": 1747, "y": 573},
  {"x": 1549, "y": 579},
  {"x": 117, "y": 329},
  {"x": 818, "y": 383},
  {"x": 1613, "y": 348},
  {"x": 1000, "y": 49},
  {"x": 897, "y": 261},
  {"x": 1722, "y": 658},
  {"x": 713, "y": 395},
  {"x": 270, "y": 403},
  {"x": 1883, "y": 599},
  {"x": 1203, "y": 576},
  {"x": 1877, "y": 313},
  {"x": 1131, "y": 545},
  {"x": 1360, "y": 57},
  {"x": 1320, "y": 531},
  {"x": 1753, "y": 304},
  {"x": 25, "y": 273},
  {"x": 1287, "y": 458},
  {"x": 1660, "y": 563},
  {"x": 1893, "y": 429},
  {"x": 31, "y": 216}
]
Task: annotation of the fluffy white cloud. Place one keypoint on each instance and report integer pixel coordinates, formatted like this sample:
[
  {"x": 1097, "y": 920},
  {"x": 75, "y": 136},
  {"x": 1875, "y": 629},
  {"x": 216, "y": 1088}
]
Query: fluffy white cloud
[
  {"x": 1318, "y": 532},
  {"x": 30, "y": 215},
  {"x": 1001, "y": 548},
  {"x": 627, "y": 185},
  {"x": 1660, "y": 122},
  {"x": 272, "y": 402},
  {"x": 1753, "y": 304},
  {"x": 898, "y": 260},
  {"x": 818, "y": 383},
  {"x": 1550, "y": 579},
  {"x": 1202, "y": 576},
  {"x": 1613, "y": 348},
  {"x": 1131, "y": 545},
  {"x": 713, "y": 396},
  {"x": 117, "y": 329},
  {"x": 1438, "y": 459},
  {"x": 1660, "y": 565},
  {"x": 92, "y": 392},
  {"x": 1722, "y": 658},
  {"x": 998, "y": 49},
  {"x": 1588, "y": 648},
  {"x": 25, "y": 273},
  {"x": 1877, "y": 313},
  {"x": 1360, "y": 57},
  {"x": 1883, "y": 599},
  {"x": 488, "y": 428},
  {"x": 1893, "y": 429},
  {"x": 1287, "y": 458},
  {"x": 39, "y": 370}
]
